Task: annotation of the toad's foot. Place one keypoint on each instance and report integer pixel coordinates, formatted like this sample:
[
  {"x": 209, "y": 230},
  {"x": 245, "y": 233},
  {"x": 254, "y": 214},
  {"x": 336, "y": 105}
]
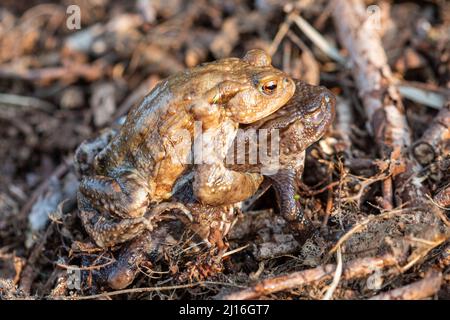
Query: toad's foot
[
  {"x": 108, "y": 231},
  {"x": 204, "y": 266},
  {"x": 88, "y": 150},
  {"x": 123, "y": 272},
  {"x": 156, "y": 213}
]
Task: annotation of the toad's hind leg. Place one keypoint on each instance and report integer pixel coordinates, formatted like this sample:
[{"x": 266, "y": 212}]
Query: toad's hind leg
[
  {"x": 125, "y": 196},
  {"x": 112, "y": 209},
  {"x": 107, "y": 231}
]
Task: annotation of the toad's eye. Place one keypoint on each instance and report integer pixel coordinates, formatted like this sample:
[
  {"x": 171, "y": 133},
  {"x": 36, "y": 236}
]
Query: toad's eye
[{"x": 269, "y": 87}]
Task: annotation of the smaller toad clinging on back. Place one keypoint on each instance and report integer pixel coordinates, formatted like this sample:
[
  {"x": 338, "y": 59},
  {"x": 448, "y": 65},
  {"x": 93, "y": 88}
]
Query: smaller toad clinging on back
[
  {"x": 140, "y": 165},
  {"x": 297, "y": 125},
  {"x": 300, "y": 123}
]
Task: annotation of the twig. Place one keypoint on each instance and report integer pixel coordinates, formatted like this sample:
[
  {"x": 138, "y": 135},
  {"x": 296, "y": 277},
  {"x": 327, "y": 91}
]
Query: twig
[
  {"x": 68, "y": 73},
  {"x": 229, "y": 253},
  {"x": 57, "y": 173},
  {"x": 415, "y": 257},
  {"x": 337, "y": 276},
  {"x": 93, "y": 267},
  {"x": 417, "y": 92},
  {"x": 388, "y": 194},
  {"x": 148, "y": 289},
  {"x": 317, "y": 38},
  {"x": 356, "y": 268},
  {"x": 366, "y": 183},
  {"x": 421, "y": 289},
  {"x": 29, "y": 272},
  {"x": 281, "y": 33},
  {"x": 435, "y": 140},
  {"x": 381, "y": 99},
  {"x": 25, "y": 102},
  {"x": 328, "y": 187},
  {"x": 345, "y": 120}
]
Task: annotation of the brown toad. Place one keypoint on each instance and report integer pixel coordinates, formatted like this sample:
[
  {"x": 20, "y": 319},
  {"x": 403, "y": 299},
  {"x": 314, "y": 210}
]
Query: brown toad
[
  {"x": 301, "y": 122},
  {"x": 140, "y": 165},
  {"x": 298, "y": 124}
]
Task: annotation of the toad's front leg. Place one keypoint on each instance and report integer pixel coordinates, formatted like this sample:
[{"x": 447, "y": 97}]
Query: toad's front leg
[
  {"x": 216, "y": 185},
  {"x": 284, "y": 184}
]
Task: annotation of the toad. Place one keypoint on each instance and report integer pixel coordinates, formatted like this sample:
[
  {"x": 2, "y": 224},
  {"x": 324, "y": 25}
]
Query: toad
[
  {"x": 297, "y": 125},
  {"x": 301, "y": 122},
  {"x": 138, "y": 168}
]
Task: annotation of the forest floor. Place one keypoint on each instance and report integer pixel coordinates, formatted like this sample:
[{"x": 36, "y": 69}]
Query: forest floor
[{"x": 376, "y": 187}]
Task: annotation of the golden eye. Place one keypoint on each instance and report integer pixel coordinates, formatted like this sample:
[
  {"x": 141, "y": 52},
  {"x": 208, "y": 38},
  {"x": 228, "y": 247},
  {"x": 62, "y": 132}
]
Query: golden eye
[{"x": 269, "y": 87}]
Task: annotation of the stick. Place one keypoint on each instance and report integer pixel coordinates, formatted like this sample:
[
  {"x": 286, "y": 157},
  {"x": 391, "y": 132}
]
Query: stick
[
  {"x": 356, "y": 268},
  {"x": 29, "y": 272},
  {"x": 337, "y": 276},
  {"x": 435, "y": 142},
  {"x": 381, "y": 100},
  {"x": 57, "y": 173},
  {"x": 423, "y": 94},
  {"x": 317, "y": 38},
  {"x": 149, "y": 289},
  {"x": 26, "y": 103},
  {"x": 421, "y": 289}
]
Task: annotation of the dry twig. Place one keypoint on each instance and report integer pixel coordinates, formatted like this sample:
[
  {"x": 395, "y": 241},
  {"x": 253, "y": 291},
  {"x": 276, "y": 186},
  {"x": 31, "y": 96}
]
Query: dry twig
[
  {"x": 421, "y": 289},
  {"x": 353, "y": 269}
]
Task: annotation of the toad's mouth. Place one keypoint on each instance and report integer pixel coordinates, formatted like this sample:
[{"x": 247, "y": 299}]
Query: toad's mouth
[{"x": 322, "y": 112}]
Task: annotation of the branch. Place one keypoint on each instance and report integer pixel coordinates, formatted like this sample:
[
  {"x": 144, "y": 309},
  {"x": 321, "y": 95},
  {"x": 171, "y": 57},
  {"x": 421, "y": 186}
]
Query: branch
[
  {"x": 435, "y": 142},
  {"x": 382, "y": 103},
  {"x": 356, "y": 268},
  {"x": 415, "y": 291}
]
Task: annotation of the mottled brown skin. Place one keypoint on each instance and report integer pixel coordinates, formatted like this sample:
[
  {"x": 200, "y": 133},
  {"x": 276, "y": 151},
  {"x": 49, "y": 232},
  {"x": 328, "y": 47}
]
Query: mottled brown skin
[
  {"x": 301, "y": 122},
  {"x": 141, "y": 164}
]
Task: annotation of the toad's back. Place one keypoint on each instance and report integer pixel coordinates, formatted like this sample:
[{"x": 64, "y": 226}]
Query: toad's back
[{"x": 155, "y": 141}]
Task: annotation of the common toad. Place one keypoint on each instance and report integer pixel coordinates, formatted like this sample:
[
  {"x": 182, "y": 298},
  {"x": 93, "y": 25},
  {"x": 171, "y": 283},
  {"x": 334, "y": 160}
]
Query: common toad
[
  {"x": 140, "y": 165},
  {"x": 301, "y": 122}
]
